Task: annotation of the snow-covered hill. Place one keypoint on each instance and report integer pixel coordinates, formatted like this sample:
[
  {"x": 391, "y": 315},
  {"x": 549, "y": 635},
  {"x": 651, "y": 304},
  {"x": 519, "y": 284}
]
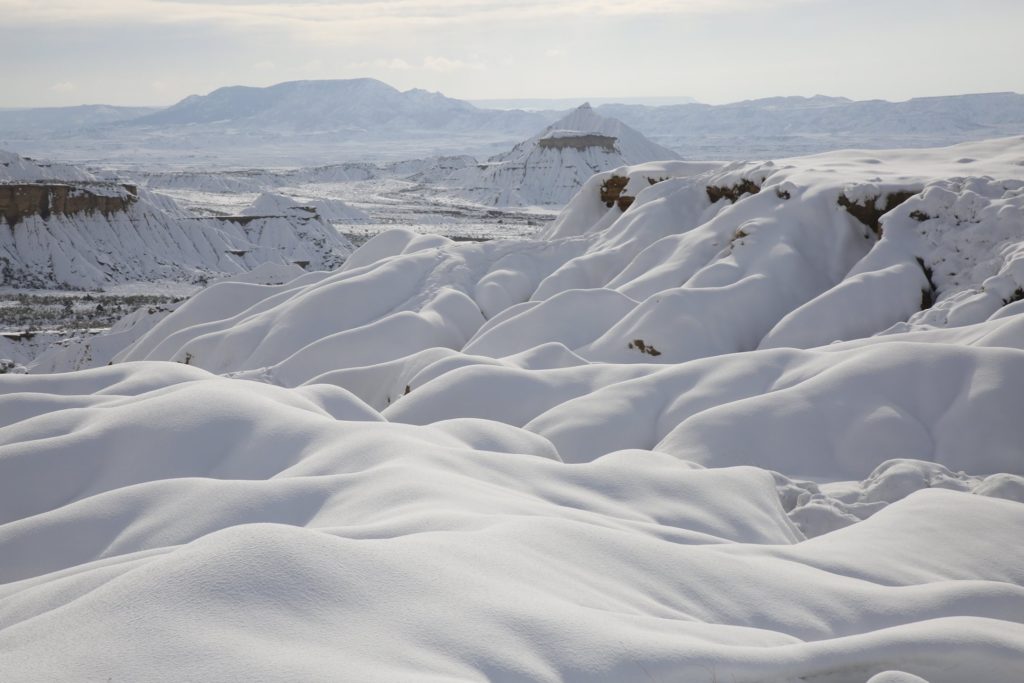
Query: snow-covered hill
[
  {"x": 62, "y": 228},
  {"x": 627, "y": 450},
  {"x": 550, "y": 167}
]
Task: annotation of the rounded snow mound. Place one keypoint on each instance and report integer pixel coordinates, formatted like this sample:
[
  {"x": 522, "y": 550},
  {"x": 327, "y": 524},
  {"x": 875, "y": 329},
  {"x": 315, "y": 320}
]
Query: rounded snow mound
[{"x": 257, "y": 514}]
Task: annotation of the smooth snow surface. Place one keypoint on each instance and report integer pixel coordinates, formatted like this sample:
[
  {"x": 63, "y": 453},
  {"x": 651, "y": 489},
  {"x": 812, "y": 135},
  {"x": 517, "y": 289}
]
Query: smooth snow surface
[{"x": 627, "y": 450}]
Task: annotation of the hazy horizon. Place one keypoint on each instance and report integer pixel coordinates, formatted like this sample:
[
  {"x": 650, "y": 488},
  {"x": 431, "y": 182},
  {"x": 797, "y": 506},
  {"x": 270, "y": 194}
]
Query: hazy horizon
[
  {"x": 522, "y": 102},
  {"x": 156, "y": 52}
]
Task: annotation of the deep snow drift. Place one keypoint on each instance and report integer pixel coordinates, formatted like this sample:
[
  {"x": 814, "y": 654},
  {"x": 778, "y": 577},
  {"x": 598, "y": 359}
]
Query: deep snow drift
[{"x": 624, "y": 451}]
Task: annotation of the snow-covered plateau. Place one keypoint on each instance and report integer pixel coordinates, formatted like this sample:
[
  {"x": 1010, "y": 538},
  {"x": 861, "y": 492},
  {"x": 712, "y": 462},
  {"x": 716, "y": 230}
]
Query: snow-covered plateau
[{"x": 754, "y": 422}]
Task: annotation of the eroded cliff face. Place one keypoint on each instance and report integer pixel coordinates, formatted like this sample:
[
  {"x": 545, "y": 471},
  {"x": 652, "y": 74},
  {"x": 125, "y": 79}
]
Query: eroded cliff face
[{"x": 21, "y": 200}]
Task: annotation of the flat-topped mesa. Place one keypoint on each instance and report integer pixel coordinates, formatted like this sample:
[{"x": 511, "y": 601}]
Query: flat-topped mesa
[
  {"x": 573, "y": 139},
  {"x": 21, "y": 200}
]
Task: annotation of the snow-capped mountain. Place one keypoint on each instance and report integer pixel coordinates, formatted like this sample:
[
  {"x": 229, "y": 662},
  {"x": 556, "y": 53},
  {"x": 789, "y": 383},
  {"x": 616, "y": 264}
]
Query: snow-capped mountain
[
  {"x": 761, "y": 424},
  {"x": 550, "y": 167},
  {"x": 63, "y": 228}
]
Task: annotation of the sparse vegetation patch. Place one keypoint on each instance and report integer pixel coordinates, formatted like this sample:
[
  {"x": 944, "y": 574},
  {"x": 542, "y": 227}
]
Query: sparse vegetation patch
[
  {"x": 927, "y": 295},
  {"x": 611, "y": 192},
  {"x": 643, "y": 347},
  {"x": 867, "y": 211},
  {"x": 22, "y": 313},
  {"x": 733, "y": 193}
]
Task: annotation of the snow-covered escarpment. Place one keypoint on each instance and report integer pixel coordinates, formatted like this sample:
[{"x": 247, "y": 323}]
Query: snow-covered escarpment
[
  {"x": 627, "y": 450},
  {"x": 19, "y": 169},
  {"x": 82, "y": 233},
  {"x": 549, "y": 168}
]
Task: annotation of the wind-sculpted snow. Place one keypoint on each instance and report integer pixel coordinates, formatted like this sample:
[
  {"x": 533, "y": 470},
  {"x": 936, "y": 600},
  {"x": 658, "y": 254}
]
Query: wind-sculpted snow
[
  {"x": 164, "y": 523},
  {"x": 627, "y": 450}
]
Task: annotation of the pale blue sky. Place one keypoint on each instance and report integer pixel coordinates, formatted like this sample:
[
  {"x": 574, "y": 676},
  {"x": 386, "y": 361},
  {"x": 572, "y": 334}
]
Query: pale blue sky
[{"x": 59, "y": 52}]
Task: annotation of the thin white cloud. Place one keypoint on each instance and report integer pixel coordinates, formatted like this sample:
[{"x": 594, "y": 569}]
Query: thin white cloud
[
  {"x": 63, "y": 87},
  {"x": 322, "y": 16}
]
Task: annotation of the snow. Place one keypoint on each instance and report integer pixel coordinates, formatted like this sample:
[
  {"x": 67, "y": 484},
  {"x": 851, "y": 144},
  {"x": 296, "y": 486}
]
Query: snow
[
  {"x": 254, "y": 515},
  {"x": 624, "y": 450},
  {"x": 15, "y": 168},
  {"x": 537, "y": 172},
  {"x": 303, "y": 122},
  {"x": 332, "y": 211},
  {"x": 143, "y": 235}
]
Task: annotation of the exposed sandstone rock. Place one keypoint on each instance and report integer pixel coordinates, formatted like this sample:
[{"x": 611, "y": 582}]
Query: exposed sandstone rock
[
  {"x": 578, "y": 142},
  {"x": 19, "y": 200}
]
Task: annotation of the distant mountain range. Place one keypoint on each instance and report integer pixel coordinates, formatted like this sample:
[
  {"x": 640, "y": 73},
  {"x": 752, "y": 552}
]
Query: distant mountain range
[
  {"x": 309, "y": 122},
  {"x": 356, "y": 105},
  {"x": 562, "y": 103},
  {"x": 53, "y": 119},
  {"x": 810, "y": 124}
]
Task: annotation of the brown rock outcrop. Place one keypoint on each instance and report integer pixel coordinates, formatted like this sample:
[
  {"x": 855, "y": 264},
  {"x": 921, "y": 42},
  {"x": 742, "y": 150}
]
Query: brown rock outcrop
[
  {"x": 21, "y": 200},
  {"x": 579, "y": 142}
]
